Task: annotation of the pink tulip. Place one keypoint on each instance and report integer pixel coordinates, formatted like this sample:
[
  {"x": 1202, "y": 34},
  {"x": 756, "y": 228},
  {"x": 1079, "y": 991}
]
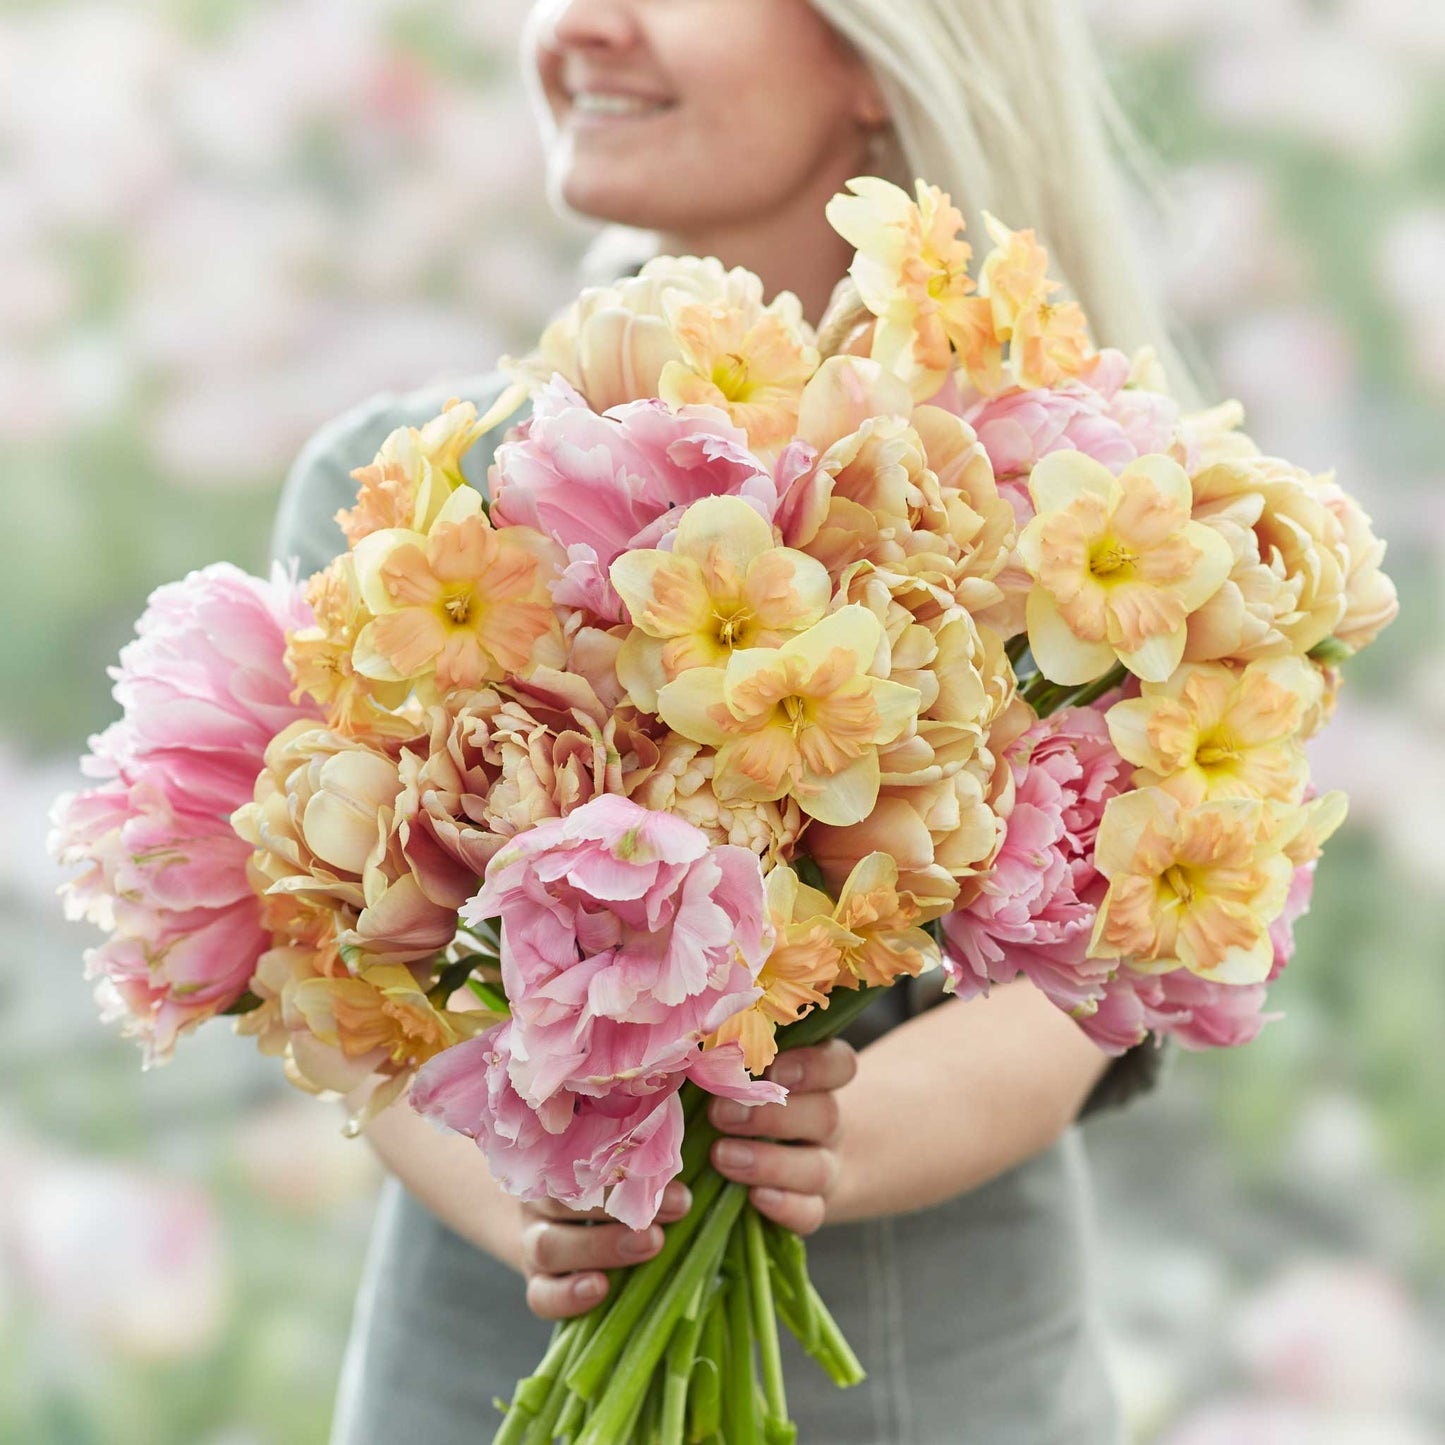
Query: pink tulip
[
  {"x": 627, "y": 940},
  {"x": 204, "y": 688},
  {"x": 1035, "y": 911},
  {"x": 600, "y": 484}
]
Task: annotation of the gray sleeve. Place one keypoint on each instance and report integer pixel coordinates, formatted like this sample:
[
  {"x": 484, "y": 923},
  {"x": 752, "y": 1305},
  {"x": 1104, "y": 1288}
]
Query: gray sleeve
[
  {"x": 320, "y": 484},
  {"x": 1134, "y": 1072}
]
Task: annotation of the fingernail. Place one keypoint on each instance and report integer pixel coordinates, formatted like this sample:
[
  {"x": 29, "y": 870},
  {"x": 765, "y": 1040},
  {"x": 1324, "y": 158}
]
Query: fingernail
[
  {"x": 786, "y": 1072},
  {"x": 591, "y": 1287},
  {"x": 725, "y": 1112},
  {"x": 679, "y": 1197},
  {"x": 734, "y": 1154},
  {"x": 767, "y": 1198},
  {"x": 637, "y": 1246}
]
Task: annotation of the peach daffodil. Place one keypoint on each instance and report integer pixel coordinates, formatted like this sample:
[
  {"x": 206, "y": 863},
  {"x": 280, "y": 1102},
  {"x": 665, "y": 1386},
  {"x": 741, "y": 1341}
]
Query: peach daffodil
[
  {"x": 804, "y": 720},
  {"x": 798, "y": 972},
  {"x": 911, "y": 270},
  {"x": 413, "y": 474},
  {"x": 1048, "y": 340},
  {"x": 1213, "y": 731},
  {"x": 465, "y": 603},
  {"x": 724, "y": 585},
  {"x": 750, "y": 360},
  {"x": 1198, "y": 887},
  {"x": 883, "y": 922},
  {"x": 1118, "y": 566}
]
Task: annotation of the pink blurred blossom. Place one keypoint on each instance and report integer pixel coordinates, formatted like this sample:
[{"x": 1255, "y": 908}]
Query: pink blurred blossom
[
  {"x": 203, "y": 689},
  {"x": 129, "y": 1261}
]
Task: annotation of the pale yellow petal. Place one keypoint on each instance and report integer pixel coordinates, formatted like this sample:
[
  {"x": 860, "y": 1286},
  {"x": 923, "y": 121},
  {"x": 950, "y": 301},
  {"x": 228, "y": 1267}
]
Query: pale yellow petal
[
  {"x": 692, "y": 704},
  {"x": 1061, "y": 655}
]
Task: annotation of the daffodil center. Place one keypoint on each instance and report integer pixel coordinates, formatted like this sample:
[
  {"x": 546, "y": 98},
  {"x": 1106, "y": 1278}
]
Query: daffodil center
[
  {"x": 458, "y": 606},
  {"x": 730, "y": 376},
  {"x": 795, "y": 714},
  {"x": 731, "y": 628},
  {"x": 1217, "y": 750},
  {"x": 1176, "y": 880},
  {"x": 1110, "y": 558}
]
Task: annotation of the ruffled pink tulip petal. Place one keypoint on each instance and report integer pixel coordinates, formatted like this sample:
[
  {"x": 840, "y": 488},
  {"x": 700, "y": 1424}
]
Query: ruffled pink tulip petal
[
  {"x": 601, "y": 482},
  {"x": 1097, "y": 415},
  {"x": 204, "y": 688},
  {"x": 1035, "y": 912},
  {"x": 627, "y": 939}
]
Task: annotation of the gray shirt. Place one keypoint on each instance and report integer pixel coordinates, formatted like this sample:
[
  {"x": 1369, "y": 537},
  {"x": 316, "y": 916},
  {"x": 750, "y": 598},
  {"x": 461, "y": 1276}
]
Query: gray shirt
[{"x": 975, "y": 1319}]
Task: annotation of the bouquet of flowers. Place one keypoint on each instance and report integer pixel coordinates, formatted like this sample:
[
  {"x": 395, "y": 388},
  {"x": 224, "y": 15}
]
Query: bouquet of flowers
[{"x": 774, "y": 667}]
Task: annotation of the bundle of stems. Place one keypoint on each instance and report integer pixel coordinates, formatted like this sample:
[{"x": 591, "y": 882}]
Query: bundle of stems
[{"x": 686, "y": 1347}]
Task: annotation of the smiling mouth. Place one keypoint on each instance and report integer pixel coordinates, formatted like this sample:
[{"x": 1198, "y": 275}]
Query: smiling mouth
[{"x": 615, "y": 106}]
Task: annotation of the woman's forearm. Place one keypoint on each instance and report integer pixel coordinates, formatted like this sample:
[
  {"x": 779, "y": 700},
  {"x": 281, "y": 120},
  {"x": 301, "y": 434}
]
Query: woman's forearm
[
  {"x": 957, "y": 1096},
  {"x": 447, "y": 1173}
]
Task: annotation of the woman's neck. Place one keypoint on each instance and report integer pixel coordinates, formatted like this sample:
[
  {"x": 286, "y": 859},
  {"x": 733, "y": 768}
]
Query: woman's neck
[{"x": 792, "y": 248}]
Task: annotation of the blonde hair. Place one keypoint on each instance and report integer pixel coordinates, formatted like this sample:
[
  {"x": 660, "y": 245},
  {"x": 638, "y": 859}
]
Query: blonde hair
[{"x": 1005, "y": 105}]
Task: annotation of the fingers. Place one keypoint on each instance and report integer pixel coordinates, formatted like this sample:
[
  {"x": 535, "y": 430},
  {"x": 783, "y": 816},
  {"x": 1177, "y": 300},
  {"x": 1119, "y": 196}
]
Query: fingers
[
  {"x": 566, "y": 1251},
  {"x": 804, "y": 1169},
  {"x": 802, "y": 1213},
  {"x": 824, "y": 1066},
  {"x": 552, "y": 1248},
  {"x": 676, "y": 1201},
  {"x": 804, "y": 1118},
  {"x": 559, "y": 1297}
]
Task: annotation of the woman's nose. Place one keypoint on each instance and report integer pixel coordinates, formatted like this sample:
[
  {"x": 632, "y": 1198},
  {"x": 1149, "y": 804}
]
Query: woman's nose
[{"x": 579, "y": 24}]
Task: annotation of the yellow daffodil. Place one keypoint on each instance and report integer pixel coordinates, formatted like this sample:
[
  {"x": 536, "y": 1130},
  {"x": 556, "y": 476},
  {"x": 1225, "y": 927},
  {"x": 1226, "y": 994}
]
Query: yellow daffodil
[
  {"x": 798, "y": 973},
  {"x": 804, "y": 720},
  {"x": 384, "y": 1012},
  {"x": 462, "y": 604},
  {"x": 883, "y": 925},
  {"x": 413, "y": 474},
  {"x": 1213, "y": 731},
  {"x": 1048, "y": 340},
  {"x": 911, "y": 270},
  {"x": 319, "y": 659},
  {"x": 1118, "y": 566},
  {"x": 725, "y": 585},
  {"x": 752, "y": 361},
  {"x": 1198, "y": 887}
]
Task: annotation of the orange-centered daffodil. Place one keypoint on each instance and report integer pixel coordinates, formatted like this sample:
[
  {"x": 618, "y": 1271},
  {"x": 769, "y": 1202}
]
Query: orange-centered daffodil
[
  {"x": 462, "y": 604},
  {"x": 752, "y": 361},
  {"x": 1214, "y": 731},
  {"x": 1198, "y": 887},
  {"x": 724, "y": 585},
  {"x": 1118, "y": 566},
  {"x": 798, "y": 973},
  {"x": 911, "y": 270},
  {"x": 804, "y": 720}
]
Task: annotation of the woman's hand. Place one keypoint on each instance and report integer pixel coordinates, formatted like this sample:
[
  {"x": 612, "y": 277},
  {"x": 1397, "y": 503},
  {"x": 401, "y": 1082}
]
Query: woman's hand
[
  {"x": 566, "y": 1251},
  {"x": 788, "y": 1153}
]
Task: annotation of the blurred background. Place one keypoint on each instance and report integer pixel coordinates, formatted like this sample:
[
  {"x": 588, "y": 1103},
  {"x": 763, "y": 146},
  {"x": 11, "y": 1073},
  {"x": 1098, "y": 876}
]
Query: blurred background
[{"x": 224, "y": 221}]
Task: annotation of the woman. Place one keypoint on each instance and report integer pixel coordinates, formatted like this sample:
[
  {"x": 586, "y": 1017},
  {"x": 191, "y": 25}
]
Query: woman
[{"x": 930, "y": 1156}]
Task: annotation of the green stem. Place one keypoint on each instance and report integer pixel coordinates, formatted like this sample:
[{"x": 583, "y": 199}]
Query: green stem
[
  {"x": 645, "y": 1349},
  {"x": 705, "y": 1396},
  {"x": 590, "y": 1371},
  {"x": 681, "y": 1356},
  {"x": 822, "y": 1024},
  {"x": 529, "y": 1399},
  {"x": 740, "y": 1400},
  {"x": 765, "y": 1319},
  {"x": 544, "y": 1427},
  {"x": 789, "y": 1259},
  {"x": 1096, "y": 690}
]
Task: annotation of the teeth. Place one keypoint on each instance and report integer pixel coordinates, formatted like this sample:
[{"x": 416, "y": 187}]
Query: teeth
[{"x": 600, "y": 103}]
